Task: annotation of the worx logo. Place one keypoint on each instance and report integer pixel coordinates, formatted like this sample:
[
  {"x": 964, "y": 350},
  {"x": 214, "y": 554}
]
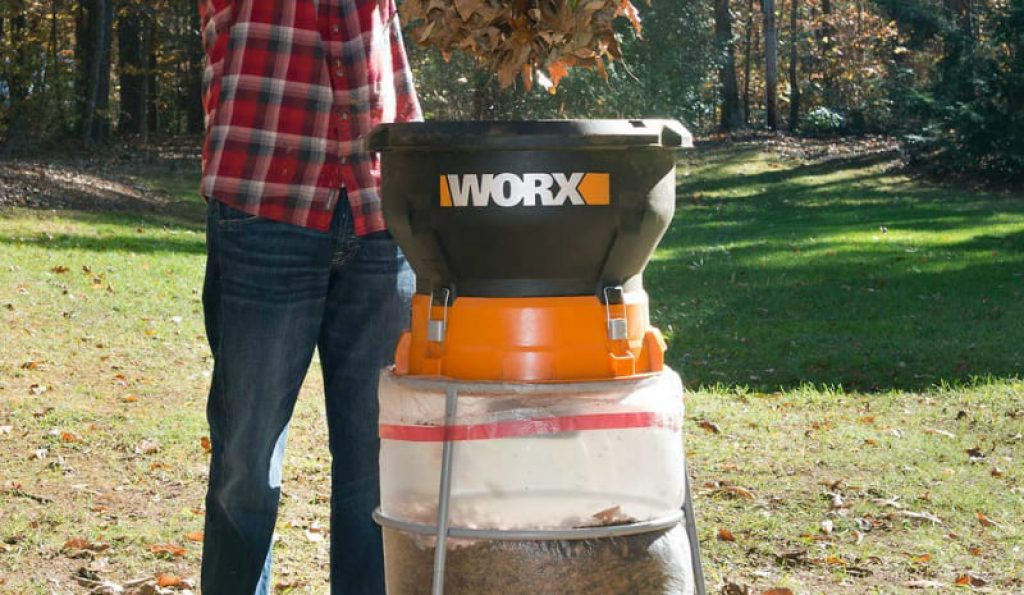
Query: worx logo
[{"x": 527, "y": 190}]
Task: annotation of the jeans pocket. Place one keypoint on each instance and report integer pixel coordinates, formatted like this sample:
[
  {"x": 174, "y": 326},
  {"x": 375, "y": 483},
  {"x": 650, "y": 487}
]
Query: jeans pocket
[{"x": 228, "y": 216}]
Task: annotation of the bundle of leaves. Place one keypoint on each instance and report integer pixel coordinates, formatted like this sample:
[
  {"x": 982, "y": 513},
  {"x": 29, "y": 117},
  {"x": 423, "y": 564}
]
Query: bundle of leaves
[{"x": 521, "y": 37}]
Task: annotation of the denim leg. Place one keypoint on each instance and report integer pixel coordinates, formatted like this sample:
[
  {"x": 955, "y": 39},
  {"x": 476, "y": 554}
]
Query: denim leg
[
  {"x": 367, "y": 308},
  {"x": 264, "y": 298}
]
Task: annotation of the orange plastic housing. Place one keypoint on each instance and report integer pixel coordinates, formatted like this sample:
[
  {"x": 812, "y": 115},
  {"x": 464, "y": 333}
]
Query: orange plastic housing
[{"x": 552, "y": 339}]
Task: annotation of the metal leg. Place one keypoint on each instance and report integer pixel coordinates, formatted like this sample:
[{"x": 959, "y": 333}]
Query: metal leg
[
  {"x": 691, "y": 532},
  {"x": 444, "y": 493}
]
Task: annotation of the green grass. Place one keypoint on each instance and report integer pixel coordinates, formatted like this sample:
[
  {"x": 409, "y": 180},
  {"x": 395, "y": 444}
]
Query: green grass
[
  {"x": 839, "y": 273},
  {"x": 824, "y": 349}
]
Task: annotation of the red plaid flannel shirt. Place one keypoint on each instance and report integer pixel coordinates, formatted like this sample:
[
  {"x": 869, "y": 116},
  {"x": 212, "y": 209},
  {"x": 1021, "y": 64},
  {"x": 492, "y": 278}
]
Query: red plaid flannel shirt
[{"x": 291, "y": 88}]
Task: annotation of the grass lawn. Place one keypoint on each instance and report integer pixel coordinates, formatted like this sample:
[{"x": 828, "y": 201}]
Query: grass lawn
[{"x": 853, "y": 342}]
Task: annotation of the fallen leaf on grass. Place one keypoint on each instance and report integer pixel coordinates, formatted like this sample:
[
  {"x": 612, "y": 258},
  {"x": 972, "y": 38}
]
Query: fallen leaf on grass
[
  {"x": 38, "y": 389},
  {"x": 985, "y": 521},
  {"x": 939, "y": 432},
  {"x": 315, "y": 533},
  {"x": 725, "y": 535},
  {"x": 924, "y": 584},
  {"x": 922, "y": 559},
  {"x": 995, "y": 472},
  {"x": 782, "y": 591},
  {"x": 731, "y": 588},
  {"x": 834, "y": 560},
  {"x": 69, "y": 437},
  {"x": 167, "y": 580},
  {"x": 129, "y": 399},
  {"x": 39, "y": 454},
  {"x": 294, "y": 585},
  {"x": 826, "y": 527},
  {"x": 975, "y": 454},
  {"x": 76, "y": 547},
  {"x": 970, "y": 580},
  {"x": 718, "y": 487},
  {"x": 59, "y": 269},
  {"x": 919, "y": 516},
  {"x": 975, "y": 551},
  {"x": 206, "y": 444},
  {"x": 196, "y": 536},
  {"x": 867, "y": 419},
  {"x": 709, "y": 426},
  {"x": 167, "y": 549},
  {"x": 147, "y": 447}
]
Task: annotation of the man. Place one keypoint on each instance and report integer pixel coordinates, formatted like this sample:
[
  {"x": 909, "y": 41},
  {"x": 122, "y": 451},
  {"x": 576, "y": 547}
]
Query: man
[{"x": 298, "y": 257}]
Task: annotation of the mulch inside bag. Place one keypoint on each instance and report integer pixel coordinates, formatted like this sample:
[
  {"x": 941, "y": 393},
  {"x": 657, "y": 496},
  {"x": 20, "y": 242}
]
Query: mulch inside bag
[{"x": 655, "y": 563}]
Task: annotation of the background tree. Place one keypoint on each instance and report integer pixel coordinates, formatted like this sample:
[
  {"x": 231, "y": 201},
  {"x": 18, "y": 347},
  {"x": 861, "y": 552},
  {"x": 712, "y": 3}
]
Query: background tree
[
  {"x": 732, "y": 118},
  {"x": 771, "y": 65}
]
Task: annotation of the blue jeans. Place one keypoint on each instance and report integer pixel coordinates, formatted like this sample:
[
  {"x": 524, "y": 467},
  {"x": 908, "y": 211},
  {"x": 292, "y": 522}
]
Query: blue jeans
[{"x": 273, "y": 293}]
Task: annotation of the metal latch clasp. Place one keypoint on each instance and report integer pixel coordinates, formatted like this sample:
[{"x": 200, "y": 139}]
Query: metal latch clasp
[
  {"x": 437, "y": 329},
  {"x": 618, "y": 326}
]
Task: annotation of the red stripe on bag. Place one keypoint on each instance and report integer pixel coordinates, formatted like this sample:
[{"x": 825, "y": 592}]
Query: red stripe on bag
[{"x": 526, "y": 427}]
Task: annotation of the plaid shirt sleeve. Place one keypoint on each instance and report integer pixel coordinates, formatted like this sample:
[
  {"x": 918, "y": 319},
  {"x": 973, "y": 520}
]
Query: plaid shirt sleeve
[{"x": 291, "y": 88}]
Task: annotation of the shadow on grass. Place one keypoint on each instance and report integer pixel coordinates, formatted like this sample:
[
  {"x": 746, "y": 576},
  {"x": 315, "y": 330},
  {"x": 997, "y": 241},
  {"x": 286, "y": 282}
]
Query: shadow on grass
[
  {"x": 871, "y": 282},
  {"x": 124, "y": 231}
]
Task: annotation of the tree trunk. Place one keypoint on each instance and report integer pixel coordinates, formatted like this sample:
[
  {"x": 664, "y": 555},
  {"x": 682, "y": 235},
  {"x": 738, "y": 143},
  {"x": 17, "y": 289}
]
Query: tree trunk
[
  {"x": 794, "y": 67},
  {"x": 748, "y": 62},
  {"x": 98, "y": 25},
  {"x": 826, "y": 35},
  {"x": 131, "y": 70},
  {"x": 151, "y": 49},
  {"x": 194, "y": 106},
  {"x": 731, "y": 117},
  {"x": 771, "y": 66}
]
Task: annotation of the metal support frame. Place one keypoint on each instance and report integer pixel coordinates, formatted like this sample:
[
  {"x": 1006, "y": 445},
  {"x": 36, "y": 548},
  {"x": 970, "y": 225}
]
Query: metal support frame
[{"x": 442, "y": 531}]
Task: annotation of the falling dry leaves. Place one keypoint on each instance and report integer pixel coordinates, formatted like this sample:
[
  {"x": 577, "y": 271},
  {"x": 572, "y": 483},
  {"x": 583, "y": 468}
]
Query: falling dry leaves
[{"x": 516, "y": 37}]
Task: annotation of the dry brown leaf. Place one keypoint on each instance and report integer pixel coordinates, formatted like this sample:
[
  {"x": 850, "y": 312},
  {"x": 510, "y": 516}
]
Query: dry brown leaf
[
  {"x": 725, "y": 535},
  {"x": 922, "y": 559},
  {"x": 59, "y": 269},
  {"x": 167, "y": 549},
  {"x": 709, "y": 426},
  {"x": 147, "y": 447},
  {"x": 985, "y": 521},
  {"x": 196, "y": 536},
  {"x": 206, "y": 444},
  {"x": 69, "y": 437},
  {"x": 129, "y": 399},
  {"x": 167, "y": 580},
  {"x": 939, "y": 432},
  {"x": 997, "y": 472},
  {"x": 734, "y": 491},
  {"x": 970, "y": 580},
  {"x": 778, "y": 591},
  {"x": 975, "y": 551}
]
